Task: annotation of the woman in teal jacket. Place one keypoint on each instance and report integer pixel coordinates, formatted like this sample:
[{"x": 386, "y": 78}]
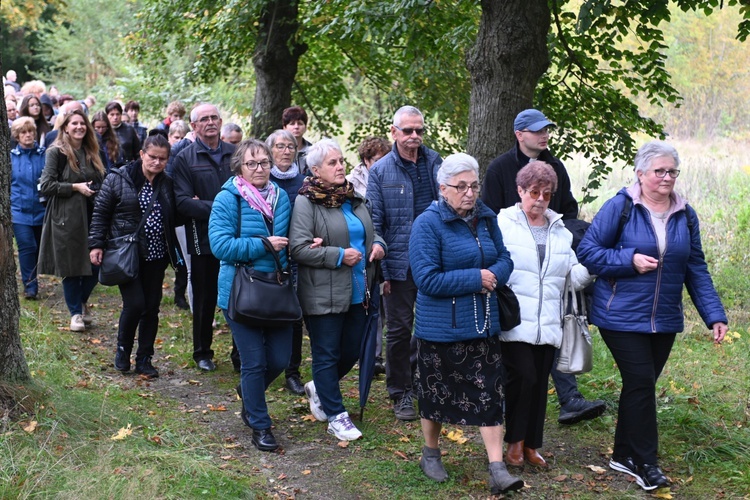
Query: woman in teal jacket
[{"x": 265, "y": 210}]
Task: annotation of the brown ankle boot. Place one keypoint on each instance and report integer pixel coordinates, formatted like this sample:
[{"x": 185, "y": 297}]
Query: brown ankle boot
[
  {"x": 514, "y": 455},
  {"x": 534, "y": 458}
]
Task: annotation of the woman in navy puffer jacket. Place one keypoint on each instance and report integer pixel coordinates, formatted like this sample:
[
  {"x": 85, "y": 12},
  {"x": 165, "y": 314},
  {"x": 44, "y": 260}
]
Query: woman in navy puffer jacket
[
  {"x": 642, "y": 265},
  {"x": 458, "y": 259}
]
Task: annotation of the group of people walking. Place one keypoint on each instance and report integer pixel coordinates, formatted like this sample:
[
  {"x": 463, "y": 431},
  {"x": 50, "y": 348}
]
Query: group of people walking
[{"x": 424, "y": 233}]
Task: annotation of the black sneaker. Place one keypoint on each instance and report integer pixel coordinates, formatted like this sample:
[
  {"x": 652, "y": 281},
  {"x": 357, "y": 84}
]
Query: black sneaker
[
  {"x": 122, "y": 359},
  {"x": 145, "y": 368},
  {"x": 181, "y": 303},
  {"x": 648, "y": 477},
  {"x": 403, "y": 407},
  {"x": 578, "y": 409}
]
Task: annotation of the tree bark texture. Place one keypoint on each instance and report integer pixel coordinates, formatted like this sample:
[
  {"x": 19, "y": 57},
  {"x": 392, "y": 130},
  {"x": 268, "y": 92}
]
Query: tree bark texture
[
  {"x": 276, "y": 57},
  {"x": 508, "y": 59},
  {"x": 13, "y": 367}
]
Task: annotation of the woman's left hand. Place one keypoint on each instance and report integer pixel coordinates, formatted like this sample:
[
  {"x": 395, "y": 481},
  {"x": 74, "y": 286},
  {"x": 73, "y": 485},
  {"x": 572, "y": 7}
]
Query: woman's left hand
[
  {"x": 489, "y": 281},
  {"x": 376, "y": 252},
  {"x": 720, "y": 331},
  {"x": 317, "y": 243}
]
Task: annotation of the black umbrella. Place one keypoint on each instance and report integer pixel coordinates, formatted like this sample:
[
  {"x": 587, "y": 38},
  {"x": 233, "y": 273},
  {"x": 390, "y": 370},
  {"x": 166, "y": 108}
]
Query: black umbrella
[{"x": 368, "y": 346}]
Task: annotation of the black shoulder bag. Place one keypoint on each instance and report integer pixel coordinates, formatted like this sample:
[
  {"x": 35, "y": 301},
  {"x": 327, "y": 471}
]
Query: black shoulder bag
[
  {"x": 120, "y": 260},
  {"x": 262, "y": 299}
]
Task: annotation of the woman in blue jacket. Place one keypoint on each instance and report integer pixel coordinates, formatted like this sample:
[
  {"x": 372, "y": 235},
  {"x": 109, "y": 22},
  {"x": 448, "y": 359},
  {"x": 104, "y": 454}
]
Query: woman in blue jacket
[
  {"x": 265, "y": 210},
  {"x": 643, "y": 263},
  {"x": 26, "y": 211},
  {"x": 457, "y": 258}
]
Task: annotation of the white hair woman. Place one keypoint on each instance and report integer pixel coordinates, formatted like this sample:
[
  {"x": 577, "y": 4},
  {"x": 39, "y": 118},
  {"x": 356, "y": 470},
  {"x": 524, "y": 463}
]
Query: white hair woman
[{"x": 458, "y": 259}]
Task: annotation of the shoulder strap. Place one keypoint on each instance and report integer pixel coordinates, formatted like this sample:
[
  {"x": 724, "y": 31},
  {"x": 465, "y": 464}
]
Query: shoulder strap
[
  {"x": 623, "y": 217},
  {"x": 146, "y": 213},
  {"x": 266, "y": 242}
]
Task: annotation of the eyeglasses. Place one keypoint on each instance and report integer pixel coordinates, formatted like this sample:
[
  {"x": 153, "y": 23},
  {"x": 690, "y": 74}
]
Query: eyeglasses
[
  {"x": 206, "y": 119},
  {"x": 253, "y": 165},
  {"x": 409, "y": 130},
  {"x": 463, "y": 187},
  {"x": 282, "y": 147},
  {"x": 535, "y": 193},
  {"x": 662, "y": 173},
  {"x": 544, "y": 131},
  {"x": 157, "y": 159}
]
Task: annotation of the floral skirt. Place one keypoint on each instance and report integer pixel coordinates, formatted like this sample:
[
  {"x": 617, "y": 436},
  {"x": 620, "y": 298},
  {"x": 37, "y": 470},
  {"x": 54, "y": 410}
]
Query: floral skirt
[{"x": 460, "y": 382}]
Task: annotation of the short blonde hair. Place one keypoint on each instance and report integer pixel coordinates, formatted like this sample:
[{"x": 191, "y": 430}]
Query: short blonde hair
[{"x": 22, "y": 124}]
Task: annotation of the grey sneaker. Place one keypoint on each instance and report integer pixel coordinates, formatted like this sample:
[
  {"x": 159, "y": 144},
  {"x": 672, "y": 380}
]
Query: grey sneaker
[
  {"x": 88, "y": 318},
  {"x": 501, "y": 481},
  {"x": 77, "y": 324},
  {"x": 403, "y": 407},
  {"x": 315, "y": 407},
  {"x": 431, "y": 464}
]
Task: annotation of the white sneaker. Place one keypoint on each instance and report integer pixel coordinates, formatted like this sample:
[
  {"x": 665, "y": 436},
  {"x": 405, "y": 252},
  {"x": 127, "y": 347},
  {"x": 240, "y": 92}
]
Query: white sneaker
[
  {"x": 77, "y": 324},
  {"x": 343, "y": 428},
  {"x": 87, "y": 316},
  {"x": 315, "y": 407}
]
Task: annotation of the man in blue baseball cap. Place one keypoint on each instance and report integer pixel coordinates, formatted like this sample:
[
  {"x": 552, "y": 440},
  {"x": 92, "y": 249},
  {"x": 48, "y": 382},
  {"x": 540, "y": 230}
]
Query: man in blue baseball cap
[{"x": 499, "y": 191}]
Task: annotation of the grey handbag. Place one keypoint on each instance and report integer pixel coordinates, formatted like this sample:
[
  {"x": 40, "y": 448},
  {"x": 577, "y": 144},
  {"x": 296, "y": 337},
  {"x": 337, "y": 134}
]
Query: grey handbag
[{"x": 575, "y": 350}]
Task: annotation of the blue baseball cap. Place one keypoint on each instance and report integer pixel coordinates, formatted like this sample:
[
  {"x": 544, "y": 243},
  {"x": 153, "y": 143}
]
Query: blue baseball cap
[{"x": 531, "y": 119}]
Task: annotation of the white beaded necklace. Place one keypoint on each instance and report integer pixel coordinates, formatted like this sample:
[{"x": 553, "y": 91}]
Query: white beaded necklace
[{"x": 486, "y": 326}]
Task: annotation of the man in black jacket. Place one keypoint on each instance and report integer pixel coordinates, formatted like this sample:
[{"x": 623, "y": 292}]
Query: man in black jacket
[
  {"x": 500, "y": 191},
  {"x": 199, "y": 171}
]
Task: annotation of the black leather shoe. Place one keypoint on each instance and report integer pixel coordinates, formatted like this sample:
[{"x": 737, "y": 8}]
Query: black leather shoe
[
  {"x": 379, "y": 367},
  {"x": 145, "y": 368},
  {"x": 294, "y": 384},
  {"x": 181, "y": 303},
  {"x": 206, "y": 365},
  {"x": 122, "y": 359},
  {"x": 263, "y": 440}
]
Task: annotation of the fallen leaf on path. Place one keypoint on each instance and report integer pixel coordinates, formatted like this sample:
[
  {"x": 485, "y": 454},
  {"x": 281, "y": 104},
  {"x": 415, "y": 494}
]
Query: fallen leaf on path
[
  {"x": 217, "y": 408},
  {"x": 405, "y": 439},
  {"x": 562, "y": 477},
  {"x": 401, "y": 454},
  {"x": 309, "y": 418},
  {"x": 343, "y": 444},
  {"x": 122, "y": 433},
  {"x": 578, "y": 477},
  {"x": 230, "y": 446},
  {"x": 597, "y": 469},
  {"x": 194, "y": 382},
  {"x": 457, "y": 436},
  {"x": 31, "y": 427},
  {"x": 663, "y": 493},
  {"x": 281, "y": 477},
  {"x": 306, "y": 472},
  {"x": 227, "y": 457}
]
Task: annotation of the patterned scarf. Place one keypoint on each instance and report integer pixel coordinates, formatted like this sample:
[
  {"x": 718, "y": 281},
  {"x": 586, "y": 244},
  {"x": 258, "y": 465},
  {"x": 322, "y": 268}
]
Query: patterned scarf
[
  {"x": 328, "y": 196},
  {"x": 261, "y": 200},
  {"x": 289, "y": 174}
]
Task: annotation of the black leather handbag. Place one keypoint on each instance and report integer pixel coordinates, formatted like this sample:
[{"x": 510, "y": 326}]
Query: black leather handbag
[
  {"x": 262, "y": 299},
  {"x": 120, "y": 261},
  {"x": 510, "y": 310}
]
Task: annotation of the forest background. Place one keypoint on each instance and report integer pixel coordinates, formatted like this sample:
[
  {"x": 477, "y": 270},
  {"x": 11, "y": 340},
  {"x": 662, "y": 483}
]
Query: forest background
[{"x": 85, "y": 431}]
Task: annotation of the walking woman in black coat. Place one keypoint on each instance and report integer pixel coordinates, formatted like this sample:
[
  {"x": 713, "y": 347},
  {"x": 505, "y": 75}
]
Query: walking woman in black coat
[{"x": 124, "y": 198}]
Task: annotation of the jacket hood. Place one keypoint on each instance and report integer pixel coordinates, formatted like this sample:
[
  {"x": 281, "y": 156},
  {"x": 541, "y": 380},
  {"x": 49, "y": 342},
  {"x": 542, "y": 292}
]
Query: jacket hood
[
  {"x": 634, "y": 193},
  {"x": 447, "y": 214},
  {"x": 18, "y": 150},
  {"x": 515, "y": 214}
]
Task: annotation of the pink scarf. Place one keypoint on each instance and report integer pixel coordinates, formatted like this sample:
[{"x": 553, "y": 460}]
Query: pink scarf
[{"x": 262, "y": 200}]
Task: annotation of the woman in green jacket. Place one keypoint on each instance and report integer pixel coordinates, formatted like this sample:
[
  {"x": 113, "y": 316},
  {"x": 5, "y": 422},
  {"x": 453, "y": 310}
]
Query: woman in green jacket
[{"x": 334, "y": 243}]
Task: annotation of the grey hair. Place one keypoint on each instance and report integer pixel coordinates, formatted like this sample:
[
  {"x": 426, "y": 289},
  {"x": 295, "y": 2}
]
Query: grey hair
[
  {"x": 254, "y": 146},
  {"x": 406, "y": 110},
  {"x": 652, "y": 150},
  {"x": 272, "y": 139},
  {"x": 318, "y": 152},
  {"x": 179, "y": 126},
  {"x": 194, "y": 112},
  {"x": 230, "y": 127},
  {"x": 455, "y": 164}
]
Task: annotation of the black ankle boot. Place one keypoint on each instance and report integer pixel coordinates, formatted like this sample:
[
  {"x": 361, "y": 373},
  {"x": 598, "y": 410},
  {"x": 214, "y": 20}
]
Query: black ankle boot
[
  {"x": 122, "y": 359},
  {"x": 145, "y": 368}
]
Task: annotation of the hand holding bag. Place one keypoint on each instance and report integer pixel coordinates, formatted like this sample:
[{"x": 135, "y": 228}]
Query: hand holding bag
[
  {"x": 262, "y": 299},
  {"x": 120, "y": 261},
  {"x": 575, "y": 350},
  {"x": 510, "y": 309}
]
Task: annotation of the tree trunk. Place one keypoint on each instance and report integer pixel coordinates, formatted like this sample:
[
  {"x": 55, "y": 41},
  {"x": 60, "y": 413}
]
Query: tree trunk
[
  {"x": 508, "y": 59},
  {"x": 13, "y": 367},
  {"x": 276, "y": 57}
]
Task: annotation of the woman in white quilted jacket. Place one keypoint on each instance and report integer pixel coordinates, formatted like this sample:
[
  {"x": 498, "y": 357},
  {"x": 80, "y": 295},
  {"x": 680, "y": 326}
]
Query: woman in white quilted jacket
[{"x": 540, "y": 247}]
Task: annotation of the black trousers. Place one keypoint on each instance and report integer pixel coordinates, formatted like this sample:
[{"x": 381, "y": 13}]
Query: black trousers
[
  {"x": 180, "y": 280},
  {"x": 401, "y": 346},
  {"x": 140, "y": 308},
  {"x": 204, "y": 274},
  {"x": 640, "y": 357},
  {"x": 527, "y": 367},
  {"x": 296, "y": 359}
]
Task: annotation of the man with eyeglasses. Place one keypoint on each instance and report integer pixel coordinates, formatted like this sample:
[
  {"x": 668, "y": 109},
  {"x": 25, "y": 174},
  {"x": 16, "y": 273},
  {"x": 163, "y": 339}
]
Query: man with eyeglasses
[
  {"x": 401, "y": 186},
  {"x": 199, "y": 171},
  {"x": 532, "y": 130}
]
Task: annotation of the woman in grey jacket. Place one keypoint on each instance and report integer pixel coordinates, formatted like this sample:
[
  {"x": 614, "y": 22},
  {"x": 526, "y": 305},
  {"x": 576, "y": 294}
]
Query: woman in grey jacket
[{"x": 333, "y": 241}]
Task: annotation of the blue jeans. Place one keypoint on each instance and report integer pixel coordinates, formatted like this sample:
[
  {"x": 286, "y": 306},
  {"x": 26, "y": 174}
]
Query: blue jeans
[
  {"x": 28, "y": 239},
  {"x": 264, "y": 353},
  {"x": 566, "y": 384},
  {"x": 335, "y": 341},
  {"x": 77, "y": 290}
]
